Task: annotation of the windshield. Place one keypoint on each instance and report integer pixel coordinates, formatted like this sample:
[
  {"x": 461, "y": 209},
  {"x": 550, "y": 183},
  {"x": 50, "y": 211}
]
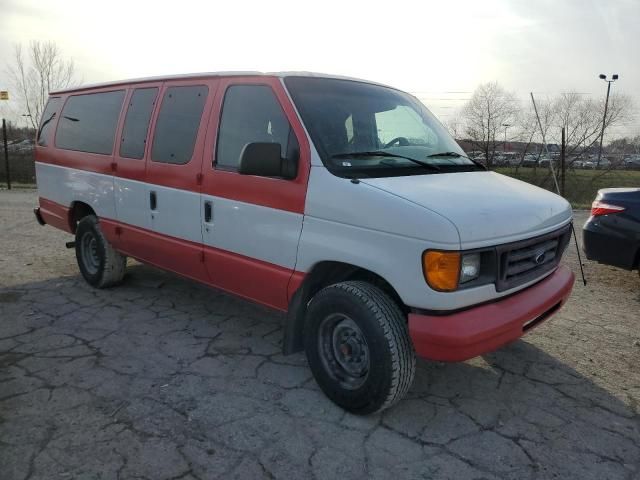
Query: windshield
[{"x": 364, "y": 129}]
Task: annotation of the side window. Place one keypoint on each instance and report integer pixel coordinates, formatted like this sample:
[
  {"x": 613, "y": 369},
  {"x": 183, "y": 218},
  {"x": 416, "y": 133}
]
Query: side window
[
  {"x": 136, "y": 123},
  {"x": 47, "y": 120},
  {"x": 88, "y": 122},
  {"x": 177, "y": 125},
  {"x": 252, "y": 113},
  {"x": 404, "y": 121}
]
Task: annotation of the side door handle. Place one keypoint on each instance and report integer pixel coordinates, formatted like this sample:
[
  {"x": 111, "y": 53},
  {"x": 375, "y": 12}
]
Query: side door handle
[
  {"x": 208, "y": 211},
  {"x": 153, "y": 200}
]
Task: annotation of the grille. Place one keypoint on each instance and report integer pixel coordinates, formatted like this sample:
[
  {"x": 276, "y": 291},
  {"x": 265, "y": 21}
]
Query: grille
[{"x": 524, "y": 261}]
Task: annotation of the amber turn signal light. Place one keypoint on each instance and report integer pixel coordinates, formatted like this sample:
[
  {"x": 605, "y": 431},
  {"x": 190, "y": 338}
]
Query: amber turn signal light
[{"x": 441, "y": 269}]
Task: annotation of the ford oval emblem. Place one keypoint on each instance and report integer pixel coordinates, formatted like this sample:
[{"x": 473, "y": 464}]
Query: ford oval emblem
[{"x": 540, "y": 257}]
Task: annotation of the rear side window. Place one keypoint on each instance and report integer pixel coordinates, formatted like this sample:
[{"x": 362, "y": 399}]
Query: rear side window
[
  {"x": 47, "y": 121},
  {"x": 88, "y": 122},
  {"x": 251, "y": 113},
  {"x": 136, "y": 123},
  {"x": 177, "y": 125}
]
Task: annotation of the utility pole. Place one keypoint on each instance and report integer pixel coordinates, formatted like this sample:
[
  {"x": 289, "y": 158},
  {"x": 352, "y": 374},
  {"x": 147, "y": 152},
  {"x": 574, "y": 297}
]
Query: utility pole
[
  {"x": 604, "y": 118},
  {"x": 563, "y": 169},
  {"x": 505, "y": 125},
  {"x": 4, "y": 95},
  {"x": 6, "y": 153}
]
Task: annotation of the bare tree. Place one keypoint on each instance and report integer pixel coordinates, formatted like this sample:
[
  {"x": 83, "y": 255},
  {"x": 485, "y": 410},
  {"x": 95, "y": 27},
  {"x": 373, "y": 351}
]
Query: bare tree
[
  {"x": 454, "y": 127},
  {"x": 528, "y": 127},
  {"x": 582, "y": 120},
  {"x": 37, "y": 72},
  {"x": 489, "y": 108}
]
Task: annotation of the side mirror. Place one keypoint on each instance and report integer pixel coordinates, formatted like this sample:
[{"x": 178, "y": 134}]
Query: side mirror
[{"x": 263, "y": 160}]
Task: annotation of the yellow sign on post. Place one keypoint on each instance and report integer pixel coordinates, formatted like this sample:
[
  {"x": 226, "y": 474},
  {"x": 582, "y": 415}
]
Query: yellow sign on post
[{"x": 4, "y": 95}]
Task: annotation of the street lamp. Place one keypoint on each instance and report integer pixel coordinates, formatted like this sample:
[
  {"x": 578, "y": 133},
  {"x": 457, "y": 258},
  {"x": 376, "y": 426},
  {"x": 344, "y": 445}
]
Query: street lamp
[
  {"x": 26, "y": 120},
  {"x": 606, "y": 104},
  {"x": 505, "y": 125}
]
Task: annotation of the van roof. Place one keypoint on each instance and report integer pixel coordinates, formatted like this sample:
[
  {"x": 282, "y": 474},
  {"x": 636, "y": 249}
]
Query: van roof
[{"x": 186, "y": 76}]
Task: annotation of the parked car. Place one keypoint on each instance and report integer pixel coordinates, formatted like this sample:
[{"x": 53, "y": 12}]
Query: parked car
[
  {"x": 21, "y": 146},
  {"x": 612, "y": 233},
  {"x": 512, "y": 158},
  {"x": 530, "y": 160},
  {"x": 304, "y": 193},
  {"x": 632, "y": 162}
]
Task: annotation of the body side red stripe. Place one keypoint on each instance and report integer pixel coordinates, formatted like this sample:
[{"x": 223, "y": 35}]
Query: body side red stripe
[
  {"x": 246, "y": 277},
  {"x": 88, "y": 162},
  {"x": 294, "y": 283},
  {"x": 55, "y": 214}
]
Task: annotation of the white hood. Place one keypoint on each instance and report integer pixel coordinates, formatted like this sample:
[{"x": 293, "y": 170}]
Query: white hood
[{"x": 486, "y": 207}]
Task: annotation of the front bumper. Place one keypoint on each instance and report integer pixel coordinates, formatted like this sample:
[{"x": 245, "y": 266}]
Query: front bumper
[{"x": 485, "y": 328}]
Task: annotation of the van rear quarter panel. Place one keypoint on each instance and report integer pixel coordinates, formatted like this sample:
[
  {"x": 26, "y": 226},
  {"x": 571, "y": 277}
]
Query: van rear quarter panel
[{"x": 68, "y": 176}]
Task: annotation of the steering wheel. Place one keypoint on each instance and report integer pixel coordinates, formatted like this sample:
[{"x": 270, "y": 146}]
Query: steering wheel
[{"x": 401, "y": 141}]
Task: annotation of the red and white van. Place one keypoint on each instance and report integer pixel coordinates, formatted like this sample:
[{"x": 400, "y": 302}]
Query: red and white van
[{"x": 342, "y": 202}]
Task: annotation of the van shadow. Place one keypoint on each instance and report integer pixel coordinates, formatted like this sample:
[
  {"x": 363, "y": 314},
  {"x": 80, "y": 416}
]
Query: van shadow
[
  {"x": 518, "y": 405},
  {"x": 520, "y": 400}
]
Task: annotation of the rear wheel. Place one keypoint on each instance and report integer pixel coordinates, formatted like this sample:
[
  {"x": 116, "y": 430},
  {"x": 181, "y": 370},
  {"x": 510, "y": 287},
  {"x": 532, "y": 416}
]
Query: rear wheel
[
  {"x": 100, "y": 265},
  {"x": 358, "y": 347}
]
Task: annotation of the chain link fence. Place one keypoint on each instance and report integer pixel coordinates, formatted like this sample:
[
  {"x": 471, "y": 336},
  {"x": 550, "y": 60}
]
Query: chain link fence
[
  {"x": 579, "y": 180},
  {"x": 21, "y": 165}
]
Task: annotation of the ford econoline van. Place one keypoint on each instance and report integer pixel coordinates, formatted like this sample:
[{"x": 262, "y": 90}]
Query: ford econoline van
[{"x": 342, "y": 202}]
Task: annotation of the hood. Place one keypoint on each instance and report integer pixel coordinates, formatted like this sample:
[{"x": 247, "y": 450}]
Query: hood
[{"x": 486, "y": 207}]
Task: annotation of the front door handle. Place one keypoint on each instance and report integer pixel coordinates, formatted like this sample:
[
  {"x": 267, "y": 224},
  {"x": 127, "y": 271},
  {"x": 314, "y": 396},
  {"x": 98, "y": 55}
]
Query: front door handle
[
  {"x": 153, "y": 200},
  {"x": 208, "y": 211}
]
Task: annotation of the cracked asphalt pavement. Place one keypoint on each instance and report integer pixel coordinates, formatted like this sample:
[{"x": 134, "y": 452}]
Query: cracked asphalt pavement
[{"x": 162, "y": 378}]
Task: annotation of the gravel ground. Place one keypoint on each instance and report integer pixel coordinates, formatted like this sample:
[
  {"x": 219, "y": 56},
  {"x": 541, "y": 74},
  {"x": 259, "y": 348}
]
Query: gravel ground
[{"x": 162, "y": 378}]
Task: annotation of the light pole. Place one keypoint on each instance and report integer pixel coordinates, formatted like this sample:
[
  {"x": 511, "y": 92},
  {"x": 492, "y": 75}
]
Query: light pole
[
  {"x": 505, "y": 125},
  {"x": 604, "y": 118},
  {"x": 26, "y": 116}
]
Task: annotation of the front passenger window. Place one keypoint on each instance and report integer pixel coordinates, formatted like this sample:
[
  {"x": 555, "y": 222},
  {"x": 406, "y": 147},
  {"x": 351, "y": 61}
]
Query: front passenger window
[{"x": 252, "y": 113}]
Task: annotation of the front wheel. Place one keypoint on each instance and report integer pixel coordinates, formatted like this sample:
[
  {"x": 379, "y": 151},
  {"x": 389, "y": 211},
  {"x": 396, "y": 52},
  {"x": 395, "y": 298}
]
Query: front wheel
[
  {"x": 100, "y": 265},
  {"x": 358, "y": 347}
]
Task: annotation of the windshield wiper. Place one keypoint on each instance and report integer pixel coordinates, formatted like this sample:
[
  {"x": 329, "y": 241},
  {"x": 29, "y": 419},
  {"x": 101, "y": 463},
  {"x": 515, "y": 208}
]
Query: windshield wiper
[
  {"x": 446, "y": 154},
  {"x": 381, "y": 153},
  {"x": 457, "y": 155}
]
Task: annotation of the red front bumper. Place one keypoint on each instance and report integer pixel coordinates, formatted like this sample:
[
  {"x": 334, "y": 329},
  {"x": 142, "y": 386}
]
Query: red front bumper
[{"x": 469, "y": 333}]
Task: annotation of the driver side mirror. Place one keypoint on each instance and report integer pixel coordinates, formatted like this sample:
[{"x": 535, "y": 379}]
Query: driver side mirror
[{"x": 264, "y": 160}]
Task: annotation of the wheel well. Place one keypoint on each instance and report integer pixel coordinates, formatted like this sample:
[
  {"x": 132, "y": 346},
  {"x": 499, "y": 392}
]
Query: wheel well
[
  {"x": 328, "y": 273},
  {"x": 77, "y": 212},
  {"x": 322, "y": 275}
]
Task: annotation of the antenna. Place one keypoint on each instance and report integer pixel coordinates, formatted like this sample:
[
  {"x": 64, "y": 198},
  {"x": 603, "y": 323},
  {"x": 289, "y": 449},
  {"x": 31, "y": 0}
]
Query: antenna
[{"x": 555, "y": 180}]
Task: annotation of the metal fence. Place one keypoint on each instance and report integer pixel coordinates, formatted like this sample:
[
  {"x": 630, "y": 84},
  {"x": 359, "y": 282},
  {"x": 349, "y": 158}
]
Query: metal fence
[
  {"x": 579, "y": 179},
  {"x": 21, "y": 166}
]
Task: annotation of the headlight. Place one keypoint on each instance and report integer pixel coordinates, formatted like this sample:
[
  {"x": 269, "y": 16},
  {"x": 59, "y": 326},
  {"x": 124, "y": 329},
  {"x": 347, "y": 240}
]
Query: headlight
[
  {"x": 470, "y": 267},
  {"x": 445, "y": 271}
]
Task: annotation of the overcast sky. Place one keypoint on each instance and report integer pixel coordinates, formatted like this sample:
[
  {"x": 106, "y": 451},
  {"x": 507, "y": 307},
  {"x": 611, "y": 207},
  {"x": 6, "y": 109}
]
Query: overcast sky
[{"x": 439, "y": 50}]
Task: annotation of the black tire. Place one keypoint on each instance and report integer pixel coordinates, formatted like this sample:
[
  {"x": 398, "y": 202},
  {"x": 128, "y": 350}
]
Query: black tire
[
  {"x": 347, "y": 322},
  {"x": 100, "y": 265}
]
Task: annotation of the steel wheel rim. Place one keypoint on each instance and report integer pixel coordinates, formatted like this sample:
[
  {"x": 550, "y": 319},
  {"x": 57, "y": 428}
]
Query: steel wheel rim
[
  {"x": 89, "y": 253},
  {"x": 344, "y": 351}
]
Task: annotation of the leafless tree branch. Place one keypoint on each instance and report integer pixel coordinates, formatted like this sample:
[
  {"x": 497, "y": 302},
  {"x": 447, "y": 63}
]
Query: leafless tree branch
[{"x": 37, "y": 72}]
